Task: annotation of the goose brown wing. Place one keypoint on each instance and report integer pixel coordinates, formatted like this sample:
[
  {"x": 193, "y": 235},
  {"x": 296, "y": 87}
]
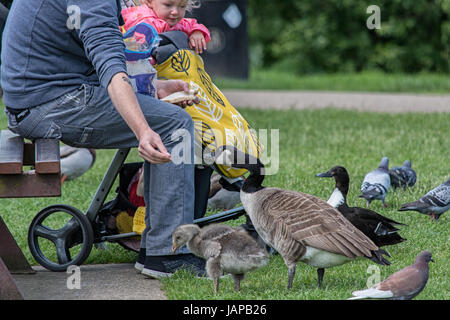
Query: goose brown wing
[{"x": 313, "y": 222}]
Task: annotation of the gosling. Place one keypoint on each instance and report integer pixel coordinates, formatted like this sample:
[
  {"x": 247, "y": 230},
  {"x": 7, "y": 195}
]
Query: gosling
[{"x": 227, "y": 250}]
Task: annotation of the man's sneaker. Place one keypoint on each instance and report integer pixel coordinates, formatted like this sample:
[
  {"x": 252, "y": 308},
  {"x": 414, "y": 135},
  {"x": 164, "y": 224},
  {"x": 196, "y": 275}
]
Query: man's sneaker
[
  {"x": 139, "y": 265},
  {"x": 165, "y": 266}
]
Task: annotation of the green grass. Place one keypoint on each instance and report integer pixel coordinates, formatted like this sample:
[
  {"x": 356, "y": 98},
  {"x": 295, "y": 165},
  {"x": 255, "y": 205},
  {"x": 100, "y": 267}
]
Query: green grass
[
  {"x": 365, "y": 81},
  {"x": 310, "y": 142}
]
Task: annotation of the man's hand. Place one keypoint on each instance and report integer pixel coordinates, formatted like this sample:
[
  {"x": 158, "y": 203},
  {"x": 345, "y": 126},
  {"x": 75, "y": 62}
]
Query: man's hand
[
  {"x": 166, "y": 87},
  {"x": 152, "y": 149},
  {"x": 124, "y": 99}
]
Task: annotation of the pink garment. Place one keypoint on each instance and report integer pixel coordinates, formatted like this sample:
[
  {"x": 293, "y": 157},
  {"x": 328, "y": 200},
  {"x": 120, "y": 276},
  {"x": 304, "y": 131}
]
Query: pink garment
[{"x": 144, "y": 14}]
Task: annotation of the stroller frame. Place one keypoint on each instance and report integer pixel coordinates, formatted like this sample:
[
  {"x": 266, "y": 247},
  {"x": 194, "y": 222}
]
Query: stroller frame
[{"x": 87, "y": 229}]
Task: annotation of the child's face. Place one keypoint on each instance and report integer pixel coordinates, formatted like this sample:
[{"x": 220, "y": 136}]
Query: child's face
[{"x": 171, "y": 11}]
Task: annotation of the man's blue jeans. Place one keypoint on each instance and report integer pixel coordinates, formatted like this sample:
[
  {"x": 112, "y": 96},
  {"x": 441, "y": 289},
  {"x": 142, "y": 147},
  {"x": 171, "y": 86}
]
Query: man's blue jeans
[{"x": 87, "y": 118}]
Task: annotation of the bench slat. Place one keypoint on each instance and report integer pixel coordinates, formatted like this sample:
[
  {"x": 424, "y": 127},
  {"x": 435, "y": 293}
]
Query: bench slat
[
  {"x": 29, "y": 184},
  {"x": 11, "y": 153},
  {"x": 47, "y": 156}
]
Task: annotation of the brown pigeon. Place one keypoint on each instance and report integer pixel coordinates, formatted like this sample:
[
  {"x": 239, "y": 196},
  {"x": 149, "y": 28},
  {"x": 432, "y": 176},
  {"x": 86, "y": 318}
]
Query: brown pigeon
[{"x": 404, "y": 284}]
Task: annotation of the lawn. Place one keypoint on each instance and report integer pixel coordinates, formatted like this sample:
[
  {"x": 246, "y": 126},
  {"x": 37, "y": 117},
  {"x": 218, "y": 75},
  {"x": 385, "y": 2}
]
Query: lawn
[
  {"x": 309, "y": 142},
  {"x": 370, "y": 81}
]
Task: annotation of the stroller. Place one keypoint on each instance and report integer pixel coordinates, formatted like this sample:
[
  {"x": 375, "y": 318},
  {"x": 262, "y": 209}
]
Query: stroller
[{"x": 74, "y": 233}]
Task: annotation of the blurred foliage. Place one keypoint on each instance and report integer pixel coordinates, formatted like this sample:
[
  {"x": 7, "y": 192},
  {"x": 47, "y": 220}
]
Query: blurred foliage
[{"x": 313, "y": 36}]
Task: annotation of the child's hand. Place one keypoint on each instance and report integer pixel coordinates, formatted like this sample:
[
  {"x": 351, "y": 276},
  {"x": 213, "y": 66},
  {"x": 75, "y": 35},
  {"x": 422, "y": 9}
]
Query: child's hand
[{"x": 197, "y": 41}]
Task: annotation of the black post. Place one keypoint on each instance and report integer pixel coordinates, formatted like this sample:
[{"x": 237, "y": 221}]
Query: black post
[{"x": 227, "y": 53}]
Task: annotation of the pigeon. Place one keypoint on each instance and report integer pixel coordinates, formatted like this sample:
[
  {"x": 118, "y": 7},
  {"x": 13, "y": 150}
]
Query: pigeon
[
  {"x": 403, "y": 176},
  {"x": 376, "y": 183},
  {"x": 434, "y": 203},
  {"x": 380, "y": 229},
  {"x": 404, "y": 284},
  {"x": 224, "y": 200},
  {"x": 75, "y": 162},
  {"x": 223, "y": 194}
]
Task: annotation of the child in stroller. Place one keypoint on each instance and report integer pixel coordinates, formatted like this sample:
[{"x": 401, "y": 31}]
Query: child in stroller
[{"x": 216, "y": 121}]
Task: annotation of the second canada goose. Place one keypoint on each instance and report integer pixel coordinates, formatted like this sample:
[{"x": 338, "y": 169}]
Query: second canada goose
[
  {"x": 300, "y": 226},
  {"x": 380, "y": 229},
  {"x": 225, "y": 249}
]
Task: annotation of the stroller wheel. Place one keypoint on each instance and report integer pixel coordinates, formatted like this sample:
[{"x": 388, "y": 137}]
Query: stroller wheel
[{"x": 62, "y": 227}]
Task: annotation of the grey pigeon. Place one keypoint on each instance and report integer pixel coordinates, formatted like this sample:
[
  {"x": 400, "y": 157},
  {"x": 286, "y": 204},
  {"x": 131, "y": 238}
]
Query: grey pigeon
[
  {"x": 434, "y": 203},
  {"x": 403, "y": 176},
  {"x": 404, "y": 284},
  {"x": 376, "y": 183},
  {"x": 224, "y": 200},
  {"x": 222, "y": 197},
  {"x": 75, "y": 161}
]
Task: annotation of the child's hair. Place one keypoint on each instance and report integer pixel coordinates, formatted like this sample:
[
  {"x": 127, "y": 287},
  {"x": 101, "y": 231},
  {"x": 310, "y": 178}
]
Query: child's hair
[{"x": 192, "y": 4}]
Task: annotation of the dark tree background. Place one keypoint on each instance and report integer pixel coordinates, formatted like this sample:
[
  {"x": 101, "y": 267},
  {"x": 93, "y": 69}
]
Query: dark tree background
[{"x": 310, "y": 36}]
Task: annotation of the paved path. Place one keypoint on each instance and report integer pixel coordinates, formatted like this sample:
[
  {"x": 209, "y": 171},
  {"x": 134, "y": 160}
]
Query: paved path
[
  {"x": 97, "y": 282},
  {"x": 377, "y": 102}
]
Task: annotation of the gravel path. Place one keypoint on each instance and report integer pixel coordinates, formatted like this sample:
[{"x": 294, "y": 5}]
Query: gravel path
[{"x": 376, "y": 102}]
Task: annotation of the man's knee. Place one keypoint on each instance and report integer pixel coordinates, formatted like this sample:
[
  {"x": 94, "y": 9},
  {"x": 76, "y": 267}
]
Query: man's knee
[{"x": 186, "y": 121}]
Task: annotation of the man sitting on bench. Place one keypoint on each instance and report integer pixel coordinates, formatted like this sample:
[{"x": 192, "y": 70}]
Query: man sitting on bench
[{"x": 64, "y": 77}]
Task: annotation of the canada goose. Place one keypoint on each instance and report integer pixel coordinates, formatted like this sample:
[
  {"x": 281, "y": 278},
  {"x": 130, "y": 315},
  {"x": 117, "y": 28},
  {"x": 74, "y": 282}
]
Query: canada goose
[
  {"x": 376, "y": 183},
  {"x": 379, "y": 229},
  {"x": 404, "y": 284},
  {"x": 403, "y": 176},
  {"x": 434, "y": 203},
  {"x": 225, "y": 249},
  {"x": 300, "y": 226},
  {"x": 75, "y": 161}
]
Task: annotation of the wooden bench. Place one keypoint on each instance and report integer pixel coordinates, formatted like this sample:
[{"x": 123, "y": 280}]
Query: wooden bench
[{"x": 41, "y": 179}]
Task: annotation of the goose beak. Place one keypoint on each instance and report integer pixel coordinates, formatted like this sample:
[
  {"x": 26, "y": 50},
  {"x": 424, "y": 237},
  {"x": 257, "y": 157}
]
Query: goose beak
[
  {"x": 324, "y": 175},
  {"x": 174, "y": 248}
]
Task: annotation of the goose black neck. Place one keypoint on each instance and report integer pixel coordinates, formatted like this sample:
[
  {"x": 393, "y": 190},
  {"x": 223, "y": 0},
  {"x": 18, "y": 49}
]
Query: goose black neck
[{"x": 254, "y": 181}]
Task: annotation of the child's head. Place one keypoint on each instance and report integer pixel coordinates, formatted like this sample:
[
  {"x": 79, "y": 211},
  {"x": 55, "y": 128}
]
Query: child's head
[{"x": 171, "y": 11}]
